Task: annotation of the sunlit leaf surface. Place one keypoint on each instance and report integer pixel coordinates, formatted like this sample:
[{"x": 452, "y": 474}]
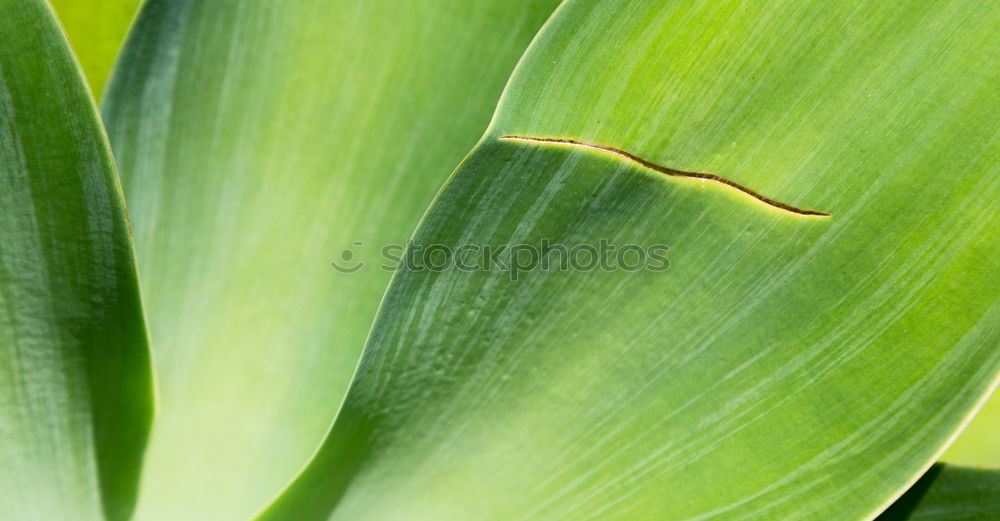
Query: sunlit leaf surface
[
  {"x": 75, "y": 385},
  {"x": 787, "y": 365},
  {"x": 257, "y": 140},
  {"x": 96, "y": 29},
  {"x": 980, "y": 441}
]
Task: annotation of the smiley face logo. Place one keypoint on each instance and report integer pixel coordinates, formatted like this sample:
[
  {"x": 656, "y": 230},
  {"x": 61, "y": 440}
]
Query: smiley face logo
[{"x": 348, "y": 262}]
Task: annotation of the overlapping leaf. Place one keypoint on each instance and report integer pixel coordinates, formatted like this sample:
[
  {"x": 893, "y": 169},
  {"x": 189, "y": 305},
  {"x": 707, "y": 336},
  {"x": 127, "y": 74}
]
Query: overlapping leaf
[
  {"x": 950, "y": 493},
  {"x": 469, "y": 404},
  {"x": 786, "y": 366},
  {"x": 75, "y": 384},
  {"x": 257, "y": 140}
]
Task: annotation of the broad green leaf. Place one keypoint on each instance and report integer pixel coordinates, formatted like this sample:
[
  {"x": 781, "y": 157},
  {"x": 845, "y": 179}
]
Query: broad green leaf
[
  {"x": 257, "y": 140},
  {"x": 96, "y": 28},
  {"x": 75, "y": 380},
  {"x": 978, "y": 443},
  {"x": 950, "y": 493},
  {"x": 785, "y": 366}
]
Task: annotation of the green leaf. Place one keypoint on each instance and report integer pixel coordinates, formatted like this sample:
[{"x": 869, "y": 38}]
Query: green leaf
[
  {"x": 96, "y": 28},
  {"x": 950, "y": 493},
  {"x": 76, "y": 398},
  {"x": 978, "y": 442},
  {"x": 785, "y": 366},
  {"x": 257, "y": 141}
]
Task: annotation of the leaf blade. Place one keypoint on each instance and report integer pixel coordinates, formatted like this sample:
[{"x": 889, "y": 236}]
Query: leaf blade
[
  {"x": 950, "y": 493},
  {"x": 851, "y": 348},
  {"x": 75, "y": 375},
  {"x": 257, "y": 140}
]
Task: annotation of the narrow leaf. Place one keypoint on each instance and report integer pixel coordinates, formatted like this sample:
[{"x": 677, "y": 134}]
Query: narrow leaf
[{"x": 75, "y": 384}]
